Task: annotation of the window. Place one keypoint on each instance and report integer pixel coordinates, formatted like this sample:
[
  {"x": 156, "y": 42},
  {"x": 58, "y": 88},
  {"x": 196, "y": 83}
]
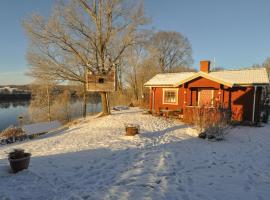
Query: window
[
  {"x": 170, "y": 96},
  {"x": 100, "y": 80}
]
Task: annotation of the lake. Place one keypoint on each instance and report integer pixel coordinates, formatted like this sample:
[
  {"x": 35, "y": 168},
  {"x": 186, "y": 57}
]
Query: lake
[{"x": 10, "y": 111}]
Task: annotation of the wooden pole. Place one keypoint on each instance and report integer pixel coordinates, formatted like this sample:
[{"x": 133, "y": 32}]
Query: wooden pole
[{"x": 49, "y": 104}]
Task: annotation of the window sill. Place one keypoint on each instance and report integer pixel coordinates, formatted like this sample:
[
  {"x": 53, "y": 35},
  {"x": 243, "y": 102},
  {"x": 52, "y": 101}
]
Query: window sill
[
  {"x": 201, "y": 106},
  {"x": 170, "y": 103}
]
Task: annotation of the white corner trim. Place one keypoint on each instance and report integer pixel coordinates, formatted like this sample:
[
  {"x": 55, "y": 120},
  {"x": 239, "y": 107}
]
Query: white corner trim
[{"x": 176, "y": 90}]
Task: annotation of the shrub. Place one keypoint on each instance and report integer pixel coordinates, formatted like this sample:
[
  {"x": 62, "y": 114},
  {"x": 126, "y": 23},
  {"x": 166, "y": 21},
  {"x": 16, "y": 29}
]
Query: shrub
[
  {"x": 209, "y": 120},
  {"x": 120, "y": 98},
  {"x": 12, "y": 132}
]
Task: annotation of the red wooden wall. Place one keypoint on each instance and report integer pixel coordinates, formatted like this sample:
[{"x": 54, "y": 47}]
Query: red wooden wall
[{"x": 239, "y": 99}]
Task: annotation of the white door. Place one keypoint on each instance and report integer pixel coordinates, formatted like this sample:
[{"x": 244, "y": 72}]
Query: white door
[{"x": 206, "y": 97}]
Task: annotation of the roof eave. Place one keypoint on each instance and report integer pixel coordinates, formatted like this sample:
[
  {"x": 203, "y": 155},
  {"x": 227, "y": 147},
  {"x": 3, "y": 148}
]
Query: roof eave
[
  {"x": 156, "y": 85},
  {"x": 251, "y": 84}
]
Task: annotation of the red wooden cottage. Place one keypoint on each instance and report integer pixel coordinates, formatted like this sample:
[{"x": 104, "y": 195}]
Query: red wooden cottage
[{"x": 238, "y": 90}]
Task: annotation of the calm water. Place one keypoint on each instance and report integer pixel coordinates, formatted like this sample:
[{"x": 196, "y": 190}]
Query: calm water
[{"x": 9, "y": 111}]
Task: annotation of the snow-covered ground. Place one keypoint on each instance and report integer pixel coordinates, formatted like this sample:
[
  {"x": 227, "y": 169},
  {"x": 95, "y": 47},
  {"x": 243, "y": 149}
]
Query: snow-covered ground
[{"x": 94, "y": 160}]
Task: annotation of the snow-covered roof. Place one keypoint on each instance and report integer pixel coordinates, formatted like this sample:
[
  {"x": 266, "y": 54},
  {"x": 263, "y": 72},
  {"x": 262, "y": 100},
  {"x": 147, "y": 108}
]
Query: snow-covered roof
[
  {"x": 243, "y": 77},
  {"x": 229, "y": 78},
  {"x": 168, "y": 79}
]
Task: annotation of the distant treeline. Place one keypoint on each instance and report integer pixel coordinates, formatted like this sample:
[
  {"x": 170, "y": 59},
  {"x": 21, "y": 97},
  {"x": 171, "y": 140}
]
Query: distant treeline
[
  {"x": 14, "y": 97},
  {"x": 20, "y": 87}
]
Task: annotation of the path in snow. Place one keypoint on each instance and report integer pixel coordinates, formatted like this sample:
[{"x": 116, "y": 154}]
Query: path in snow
[{"x": 93, "y": 160}]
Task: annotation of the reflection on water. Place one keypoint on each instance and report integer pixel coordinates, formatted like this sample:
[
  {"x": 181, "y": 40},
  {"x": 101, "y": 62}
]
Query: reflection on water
[
  {"x": 10, "y": 111},
  {"x": 7, "y": 105}
]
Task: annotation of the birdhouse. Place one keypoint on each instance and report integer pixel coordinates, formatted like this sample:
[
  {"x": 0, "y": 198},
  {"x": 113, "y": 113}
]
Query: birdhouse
[{"x": 101, "y": 82}]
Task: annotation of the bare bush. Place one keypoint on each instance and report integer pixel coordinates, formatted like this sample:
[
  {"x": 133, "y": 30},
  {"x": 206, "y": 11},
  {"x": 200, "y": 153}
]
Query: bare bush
[
  {"x": 11, "y": 132},
  {"x": 62, "y": 107},
  {"x": 208, "y": 120},
  {"x": 120, "y": 98}
]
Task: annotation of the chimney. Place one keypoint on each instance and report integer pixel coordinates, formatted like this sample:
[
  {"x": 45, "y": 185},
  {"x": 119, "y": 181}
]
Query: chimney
[{"x": 205, "y": 66}]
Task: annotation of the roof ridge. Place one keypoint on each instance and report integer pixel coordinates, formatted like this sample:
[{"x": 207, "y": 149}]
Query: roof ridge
[
  {"x": 175, "y": 73},
  {"x": 247, "y": 69}
]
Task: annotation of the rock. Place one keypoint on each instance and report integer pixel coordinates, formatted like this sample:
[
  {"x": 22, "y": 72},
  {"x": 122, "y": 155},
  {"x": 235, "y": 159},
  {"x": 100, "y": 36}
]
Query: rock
[
  {"x": 202, "y": 135},
  {"x": 210, "y": 137}
]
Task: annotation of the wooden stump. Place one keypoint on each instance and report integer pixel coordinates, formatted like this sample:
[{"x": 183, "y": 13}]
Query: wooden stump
[{"x": 132, "y": 129}]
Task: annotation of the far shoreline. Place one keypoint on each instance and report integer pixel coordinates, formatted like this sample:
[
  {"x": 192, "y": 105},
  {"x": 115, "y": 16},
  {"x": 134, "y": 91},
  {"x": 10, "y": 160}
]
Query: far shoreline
[{"x": 15, "y": 97}]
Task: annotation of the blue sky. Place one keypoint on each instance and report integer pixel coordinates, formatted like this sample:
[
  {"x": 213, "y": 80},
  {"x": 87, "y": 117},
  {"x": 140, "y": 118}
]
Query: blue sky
[{"x": 234, "y": 32}]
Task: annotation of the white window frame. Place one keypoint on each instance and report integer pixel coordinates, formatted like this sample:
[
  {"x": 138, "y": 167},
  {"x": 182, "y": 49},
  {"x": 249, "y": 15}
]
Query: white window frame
[
  {"x": 199, "y": 95},
  {"x": 175, "y": 90}
]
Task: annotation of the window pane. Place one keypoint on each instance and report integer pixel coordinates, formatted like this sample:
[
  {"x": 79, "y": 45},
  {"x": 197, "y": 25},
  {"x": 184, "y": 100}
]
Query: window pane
[{"x": 170, "y": 97}]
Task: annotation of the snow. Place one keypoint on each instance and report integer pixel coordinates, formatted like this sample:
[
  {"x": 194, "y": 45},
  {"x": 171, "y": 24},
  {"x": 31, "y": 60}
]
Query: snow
[
  {"x": 94, "y": 160},
  {"x": 41, "y": 127},
  {"x": 119, "y": 108},
  {"x": 169, "y": 79}
]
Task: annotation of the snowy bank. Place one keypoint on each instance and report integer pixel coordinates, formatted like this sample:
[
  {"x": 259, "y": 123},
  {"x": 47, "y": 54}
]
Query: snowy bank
[{"x": 94, "y": 160}]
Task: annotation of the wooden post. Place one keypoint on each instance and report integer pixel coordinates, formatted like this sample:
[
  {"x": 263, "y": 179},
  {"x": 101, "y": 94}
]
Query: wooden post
[
  {"x": 84, "y": 99},
  {"x": 20, "y": 119},
  {"x": 49, "y": 104}
]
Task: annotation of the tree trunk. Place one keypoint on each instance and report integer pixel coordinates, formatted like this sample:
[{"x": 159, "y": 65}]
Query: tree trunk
[
  {"x": 84, "y": 100},
  {"x": 119, "y": 79},
  {"x": 105, "y": 103}
]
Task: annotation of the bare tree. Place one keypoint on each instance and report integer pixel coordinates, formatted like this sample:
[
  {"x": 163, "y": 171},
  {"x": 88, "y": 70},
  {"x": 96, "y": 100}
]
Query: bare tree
[
  {"x": 171, "y": 50},
  {"x": 159, "y": 52},
  {"x": 134, "y": 61},
  {"x": 139, "y": 68},
  {"x": 266, "y": 64},
  {"x": 216, "y": 69},
  {"x": 83, "y": 36},
  {"x": 42, "y": 99}
]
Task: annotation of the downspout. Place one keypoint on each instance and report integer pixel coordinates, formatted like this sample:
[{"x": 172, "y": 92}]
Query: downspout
[
  {"x": 254, "y": 104},
  {"x": 150, "y": 99},
  {"x": 153, "y": 100}
]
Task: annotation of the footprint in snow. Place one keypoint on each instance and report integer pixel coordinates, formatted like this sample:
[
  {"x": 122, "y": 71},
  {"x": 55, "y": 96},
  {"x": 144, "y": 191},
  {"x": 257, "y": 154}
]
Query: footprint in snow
[
  {"x": 260, "y": 198},
  {"x": 185, "y": 197},
  {"x": 190, "y": 181},
  {"x": 247, "y": 188}
]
